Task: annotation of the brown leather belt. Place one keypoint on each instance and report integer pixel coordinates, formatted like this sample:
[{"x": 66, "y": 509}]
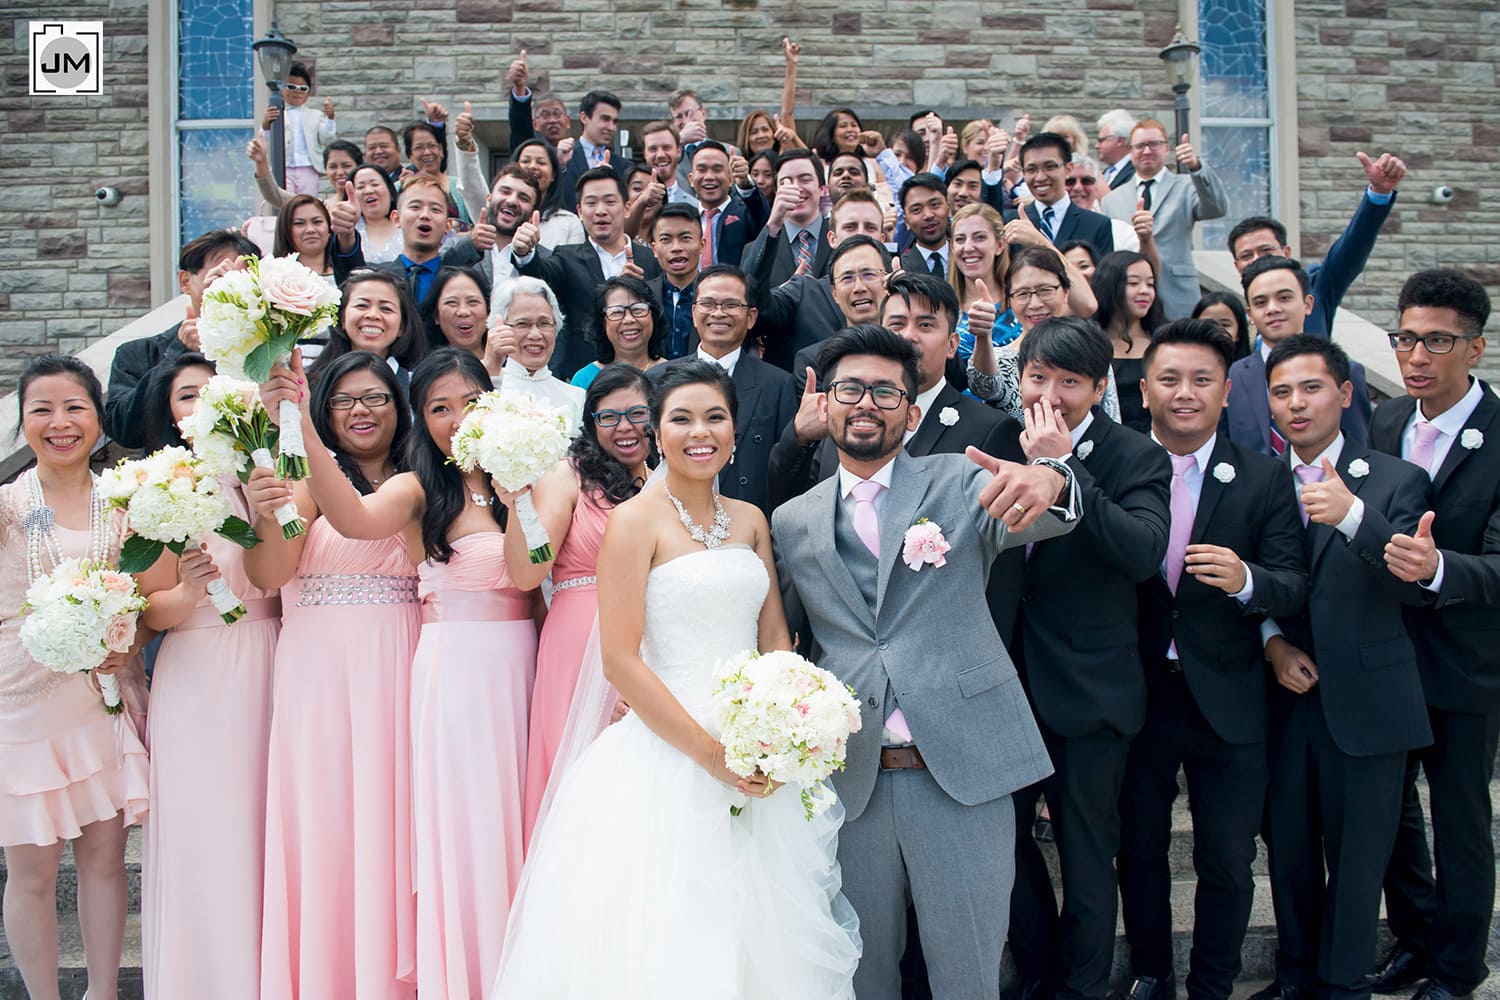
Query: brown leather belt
[{"x": 901, "y": 759}]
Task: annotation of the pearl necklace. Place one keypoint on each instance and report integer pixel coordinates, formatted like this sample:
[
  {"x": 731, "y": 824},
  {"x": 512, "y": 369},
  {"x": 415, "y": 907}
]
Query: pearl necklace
[
  {"x": 40, "y": 521},
  {"x": 717, "y": 535}
]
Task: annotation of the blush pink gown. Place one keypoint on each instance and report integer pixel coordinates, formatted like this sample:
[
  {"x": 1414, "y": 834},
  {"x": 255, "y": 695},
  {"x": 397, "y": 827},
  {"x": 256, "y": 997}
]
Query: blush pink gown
[
  {"x": 64, "y": 762},
  {"x": 204, "y": 845},
  {"x": 470, "y": 682},
  {"x": 575, "y": 603},
  {"x": 340, "y": 918}
]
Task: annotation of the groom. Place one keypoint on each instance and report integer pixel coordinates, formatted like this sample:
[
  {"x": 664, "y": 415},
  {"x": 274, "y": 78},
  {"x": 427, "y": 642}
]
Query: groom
[{"x": 946, "y": 732}]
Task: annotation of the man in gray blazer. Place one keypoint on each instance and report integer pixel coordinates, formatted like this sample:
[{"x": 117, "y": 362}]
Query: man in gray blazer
[
  {"x": 946, "y": 732},
  {"x": 1176, "y": 202}
]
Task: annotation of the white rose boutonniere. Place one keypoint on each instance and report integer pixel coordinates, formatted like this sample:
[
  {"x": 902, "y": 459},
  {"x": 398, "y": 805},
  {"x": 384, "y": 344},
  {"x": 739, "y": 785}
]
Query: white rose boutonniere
[
  {"x": 1359, "y": 468},
  {"x": 947, "y": 416},
  {"x": 1224, "y": 472},
  {"x": 1472, "y": 438},
  {"x": 1084, "y": 449}
]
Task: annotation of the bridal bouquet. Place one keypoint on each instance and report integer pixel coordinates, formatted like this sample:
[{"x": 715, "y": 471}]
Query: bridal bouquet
[
  {"x": 76, "y": 616},
  {"x": 516, "y": 440},
  {"x": 173, "y": 501},
  {"x": 253, "y": 318},
  {"x": 229, "y": 430},
  {"x": 782, "y": 716}
]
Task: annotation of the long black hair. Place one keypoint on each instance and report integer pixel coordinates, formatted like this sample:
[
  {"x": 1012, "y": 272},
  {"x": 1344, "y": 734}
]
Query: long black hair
[
  {"x": 823, "y": 142},
  {"x": 1109, "y": 285},
  {"x": 552, "y": 197},
  {"x": 441, "y": 481},
  {"x": 161, "y": 429},
  {"x": 598, "y": 471},
  {"x": 656, "y": 344},
  {"x": 1242, "y": 337},
  {"x": 410, "y": 343},
  {"x": 58, "y": 364},
  {"x": 427, "y": 311},
  {"x": 322, "y": 414}
]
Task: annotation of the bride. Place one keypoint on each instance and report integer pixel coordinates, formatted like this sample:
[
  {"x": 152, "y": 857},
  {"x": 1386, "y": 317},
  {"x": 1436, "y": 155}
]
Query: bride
[{"x": 640, "y": 884}]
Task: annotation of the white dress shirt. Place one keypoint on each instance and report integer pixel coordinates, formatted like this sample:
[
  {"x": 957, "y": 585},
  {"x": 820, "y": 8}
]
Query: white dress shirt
[
  {"x": 925, "y": 401},
  {"x": 542, "y": 384},
  {"x": 1193, "y": 480},
  {"x": 611, "y": 263},
  {"x": 848, "y": 480},
  {"x": 727, "y": 362},
  {"x": 1449, "y": 423},
  {"x": 1059, "y": 211}
]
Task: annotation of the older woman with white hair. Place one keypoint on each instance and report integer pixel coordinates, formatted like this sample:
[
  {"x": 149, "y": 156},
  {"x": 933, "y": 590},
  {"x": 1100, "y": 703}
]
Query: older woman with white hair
[{"x": 524, "y": 320}]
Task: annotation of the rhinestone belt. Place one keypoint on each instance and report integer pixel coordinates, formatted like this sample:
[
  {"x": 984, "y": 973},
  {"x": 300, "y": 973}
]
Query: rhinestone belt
[
  {"x": 356, "y": 588},
  {"x": 577, "y": 581}
]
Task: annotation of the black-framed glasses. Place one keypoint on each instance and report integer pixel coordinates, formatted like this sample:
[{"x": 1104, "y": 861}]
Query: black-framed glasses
[
  {"x": 1436, "y": 343},
  {"x": 850, "y": 391},
  {"x": 638, "y": 415},
  {"x": 371, "y": 401},
  {"x": 639, "y": 310},
  {"x": 729, "y": 307}
]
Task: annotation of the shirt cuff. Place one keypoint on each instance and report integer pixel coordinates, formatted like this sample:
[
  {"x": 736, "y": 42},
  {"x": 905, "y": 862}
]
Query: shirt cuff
[
  {"x": 1248, "y": 590},
  {"x": 351, "y": 253},
  {"x": 1268, "y": 631},
  {"x": 995, "y": 177},
  {"x": 1378, "y": 198},
  {"x": 1436, "y": 583},
  {"x": 1349, "y": 526},
  {"x": 521, "y": 261},
  {"x": 521, "y": 98}
]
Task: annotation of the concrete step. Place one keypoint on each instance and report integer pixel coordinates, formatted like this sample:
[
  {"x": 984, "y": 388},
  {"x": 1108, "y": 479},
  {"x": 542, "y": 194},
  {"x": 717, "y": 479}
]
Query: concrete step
[{"x": 72, "y": 973}]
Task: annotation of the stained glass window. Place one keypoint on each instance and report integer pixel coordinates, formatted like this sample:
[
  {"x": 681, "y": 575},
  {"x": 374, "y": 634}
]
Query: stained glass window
[
  {"x": 218, "y": 186},
  {"x": 1236, "y": 108},
  {"x": 215, "y": 68}
]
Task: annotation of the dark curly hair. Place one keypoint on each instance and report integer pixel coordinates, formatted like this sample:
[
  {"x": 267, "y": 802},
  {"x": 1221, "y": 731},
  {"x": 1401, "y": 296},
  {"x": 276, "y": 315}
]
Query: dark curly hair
[
  {"x": 656, "y": 343},
  {"x": 598, "y": 471},
  {"x": 322, "y": 413}
]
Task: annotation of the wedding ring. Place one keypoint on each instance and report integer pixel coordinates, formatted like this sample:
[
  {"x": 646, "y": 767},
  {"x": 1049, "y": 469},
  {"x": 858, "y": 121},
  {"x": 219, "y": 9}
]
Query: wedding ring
[{"x": 1018, "y": 509}]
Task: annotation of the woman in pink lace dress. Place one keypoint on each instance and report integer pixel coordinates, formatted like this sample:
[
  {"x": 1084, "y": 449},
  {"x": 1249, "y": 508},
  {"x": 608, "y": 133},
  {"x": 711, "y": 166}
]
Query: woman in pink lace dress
[
  {"x": 339, "y": 912},
  {"x": 68, "y": 770}
]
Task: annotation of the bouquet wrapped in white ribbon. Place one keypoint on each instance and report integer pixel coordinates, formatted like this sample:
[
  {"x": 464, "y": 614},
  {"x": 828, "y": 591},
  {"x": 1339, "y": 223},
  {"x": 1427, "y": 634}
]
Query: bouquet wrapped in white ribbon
[
  {"x": 76, "y": 616},
  {"x": 252, "y": 319},
  {"x": 231, "y": 430},
  {"x": 173, "y": 501},
  {"x": 780, "y": 715},
  {"x": 516, "y": 440}
]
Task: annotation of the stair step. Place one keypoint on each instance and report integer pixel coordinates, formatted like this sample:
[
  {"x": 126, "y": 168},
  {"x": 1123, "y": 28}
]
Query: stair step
[{"x": 72, "y": 973}]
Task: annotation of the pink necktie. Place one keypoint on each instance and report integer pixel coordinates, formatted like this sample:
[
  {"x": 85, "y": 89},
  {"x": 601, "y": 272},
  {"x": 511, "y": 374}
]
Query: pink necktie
[
  {"x": 1307, "y": 474},
  {"x": 1422, "y": 450},
  {"x": 1182, "y": 518},
  {"x": 707, "y": 259},
  {"x": 866, "y": 524}
]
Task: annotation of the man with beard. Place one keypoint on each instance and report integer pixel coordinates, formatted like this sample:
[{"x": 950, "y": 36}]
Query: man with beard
[
  {"x": 794, "y": 238},
  {"x": 924, "y": 206},
  {"x": 532, "y": 115},
  {"x": 677, "y": 241},
  {"x": 732, "y": 216},
  {"x": 514, "y": 196}
]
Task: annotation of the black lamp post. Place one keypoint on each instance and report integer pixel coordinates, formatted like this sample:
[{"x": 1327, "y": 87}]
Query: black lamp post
[
  {"x": 1181, "y": 57},
  {"x": 275, "y": 54}
]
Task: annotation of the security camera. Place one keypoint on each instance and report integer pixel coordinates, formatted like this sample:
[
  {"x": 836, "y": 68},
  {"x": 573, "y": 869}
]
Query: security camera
[
  {"x": 107, "y": 196},
  {"x": 1442, "y": 194}
]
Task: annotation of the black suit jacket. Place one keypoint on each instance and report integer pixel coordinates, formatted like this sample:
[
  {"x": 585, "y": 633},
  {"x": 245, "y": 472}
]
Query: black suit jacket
[
  {"x": 1353, "y": 627},
  {"x": 738, "y": 226},
  {"x": 1125, "y": 173},
  {"x": 1218, "y": 640},
  {"x": 130, "y": 375},
  {"x": 783, "y": 263},
  {"x": 578, "y": 164},
  {"x": 1457, "y": 638},
  {"x": 793, "y": 316},
  {"x": 766, "y": 402},
  {"x": 1079, "y": 638},
  {"x": 1077, "y": 224},
  {"x": 574, "y": 274},
  {"x": 919, "y": 261},
  {"x": 1247, "y": 418}
]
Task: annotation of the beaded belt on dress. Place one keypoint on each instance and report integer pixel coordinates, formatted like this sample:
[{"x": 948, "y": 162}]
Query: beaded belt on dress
[
  {"x": 577, "y": 581},
  {"x": 356, "y": 588}
]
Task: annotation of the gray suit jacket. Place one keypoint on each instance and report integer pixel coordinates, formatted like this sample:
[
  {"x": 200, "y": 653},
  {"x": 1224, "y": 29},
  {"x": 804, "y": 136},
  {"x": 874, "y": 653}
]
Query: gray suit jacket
[
  {"x": 929, "y": 635},
  {"x": 1177, "y": 202}
]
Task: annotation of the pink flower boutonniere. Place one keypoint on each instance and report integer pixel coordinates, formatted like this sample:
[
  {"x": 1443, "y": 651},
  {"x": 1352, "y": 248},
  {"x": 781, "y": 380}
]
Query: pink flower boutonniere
[{"x": 924, "y": 544}]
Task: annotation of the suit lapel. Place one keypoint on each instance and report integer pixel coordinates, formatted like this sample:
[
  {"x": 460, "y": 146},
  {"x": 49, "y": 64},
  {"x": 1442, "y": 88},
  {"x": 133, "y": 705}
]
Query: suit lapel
[
  {"x": 1212, "y": 490},
  {"x": 1387, "y": 437},
  {"x": 747, "y": 391},
  {"x": 827, "y": 552},
  {"x": 1480, "y": 420},
  {"x": 925, "y": 440},
  {"x": 1260, "y": 401},
  {"x": 908, "y": 487},
  {"x": 1068, "y": 225},
  {"x": 589, "y": 258}
]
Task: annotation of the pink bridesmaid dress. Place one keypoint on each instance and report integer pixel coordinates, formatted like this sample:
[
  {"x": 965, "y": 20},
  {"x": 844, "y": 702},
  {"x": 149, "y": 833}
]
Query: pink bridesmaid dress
[
  {"x": 204, "y": 846},
  {"x": 470, "y": 681},
  {"x": 575, "y": 603},
  {"x": 64, "y": 762},
  {"x": 340, "y": 918}
]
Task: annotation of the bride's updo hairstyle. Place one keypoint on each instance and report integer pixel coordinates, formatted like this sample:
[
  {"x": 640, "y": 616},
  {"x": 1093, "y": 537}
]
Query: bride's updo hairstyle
[
  {"x": 693, "y": 372},
  {"x": 597, "y": 469}
]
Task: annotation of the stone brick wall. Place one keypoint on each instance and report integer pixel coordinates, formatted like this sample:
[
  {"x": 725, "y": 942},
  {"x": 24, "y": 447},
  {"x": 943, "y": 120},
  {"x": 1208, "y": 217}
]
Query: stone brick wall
[{"x": 70, "y": 270}]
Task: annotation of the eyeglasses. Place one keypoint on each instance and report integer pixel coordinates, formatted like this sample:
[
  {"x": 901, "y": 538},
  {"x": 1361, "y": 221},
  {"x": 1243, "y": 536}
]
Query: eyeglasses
[
  {"x": 1436, "y": 343},
  {"x": 1146, "y": 147},
  {"x": 1032, "y": 169},
  {"x": 425, "y": 147},
  {"x": 527, "y": 325},
  {"x": 296, "y": 88},
  {"x": 1248, "y": 254},
  {"x": 848, "y": 278},
  {"x": 729, "y": 308},
  {"x": 1085, "y": 181},
  {"x": 851, "y": 391},
  {"x": 638, "y": 415},
  {"x": 550, "y": 114},
  {"x": 1043, "y": 292},
  {"x": 370, "y": 401},
  {"x": 637, "y": 309}
]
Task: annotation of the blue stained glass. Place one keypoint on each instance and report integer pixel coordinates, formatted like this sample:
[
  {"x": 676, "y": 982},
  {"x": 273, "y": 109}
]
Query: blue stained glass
[
  {"x": 1241, "y": 156},
  {"x": 217, "y": 188},
  {"x": 1232, "y": 66},
  {"x": 215, "y": 67}
]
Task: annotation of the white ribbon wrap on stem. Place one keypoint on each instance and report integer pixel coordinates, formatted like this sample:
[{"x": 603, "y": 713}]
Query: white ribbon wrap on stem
[
  {"x": 286, "y": 514},
  {"x": 109, "y": 687},
  {"x": 538, "y": 545},
  {"x": 224, "y": 600},
  {"x": 292, "y": 460}
]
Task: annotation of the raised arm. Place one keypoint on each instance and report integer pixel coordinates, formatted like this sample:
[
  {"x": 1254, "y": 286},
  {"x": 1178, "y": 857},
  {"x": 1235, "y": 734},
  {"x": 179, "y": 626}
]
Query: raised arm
[
  {"x": 555, "y": 495},
  {"x": 273, "y": 562},
  {"x": 792, "y": 52}
]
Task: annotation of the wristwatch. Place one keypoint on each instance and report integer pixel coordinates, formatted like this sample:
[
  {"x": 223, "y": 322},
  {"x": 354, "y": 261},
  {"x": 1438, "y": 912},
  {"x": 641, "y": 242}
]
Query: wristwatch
[{"x": 1061, "y": 468}]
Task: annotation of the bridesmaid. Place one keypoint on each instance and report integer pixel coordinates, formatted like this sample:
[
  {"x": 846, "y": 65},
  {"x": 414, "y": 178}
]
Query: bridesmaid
[
  {"x": 339, "y": 913},
  {"x": 209, "y": 727},
  {"x": 376, "y": 314},
  {"x": 471, "y": 676},
  {"x": 68, "y": 770},
  {"x": 174, "y": 393},
  {"x": 605, "y": 466}
]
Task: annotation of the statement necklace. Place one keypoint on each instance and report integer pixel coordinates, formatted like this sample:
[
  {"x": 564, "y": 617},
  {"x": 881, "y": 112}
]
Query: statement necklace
[
  {"x": 714, "y": 536},
  {"x": 41, "y": 520}
]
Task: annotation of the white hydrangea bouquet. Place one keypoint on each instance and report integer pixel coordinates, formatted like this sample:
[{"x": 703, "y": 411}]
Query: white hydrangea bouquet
[
  {"x": 252, "y": 319},
  {"x": 76, "y": 616},
  {"x": 173, "y": 501},
  {"x": 779, "y": 714},
  {"x": 230, "y": 430},
  {"x": 516, "y": 440}
]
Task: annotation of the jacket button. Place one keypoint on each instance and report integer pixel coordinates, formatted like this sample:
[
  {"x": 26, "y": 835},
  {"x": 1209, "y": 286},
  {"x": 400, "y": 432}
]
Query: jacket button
[
  {"x": 1176, "y": 614},
  {"x": 874, "y": 703},
  {"x": 744, "y": 481},
  {"x": 883, "y": 644},
  {"x": 758, "y": 439}
]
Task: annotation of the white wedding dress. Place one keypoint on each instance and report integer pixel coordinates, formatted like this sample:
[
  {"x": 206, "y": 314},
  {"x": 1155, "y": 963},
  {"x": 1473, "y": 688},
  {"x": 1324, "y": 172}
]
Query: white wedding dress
[{"x": 640, "y": 885}]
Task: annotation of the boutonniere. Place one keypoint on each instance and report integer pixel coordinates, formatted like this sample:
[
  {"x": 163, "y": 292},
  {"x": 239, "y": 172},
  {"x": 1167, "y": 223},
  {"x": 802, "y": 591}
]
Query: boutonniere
[
  {"x": 947, "y": 416},
  {"x": 1359, "y": 468},
  {"x": 1084, "y": 449},
  {"x": 924, "y": 544},
  {"x": 1224, "y": 472},
  {"x": 1472, "y": 439}
]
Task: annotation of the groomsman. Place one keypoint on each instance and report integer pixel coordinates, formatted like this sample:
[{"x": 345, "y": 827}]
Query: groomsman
[
  {"x": 1079, "y": 655},
  {"x": 1447, "y": 425},
  {"x": 1346, "y": 706},
  {"x": 1234, "y": 555}
]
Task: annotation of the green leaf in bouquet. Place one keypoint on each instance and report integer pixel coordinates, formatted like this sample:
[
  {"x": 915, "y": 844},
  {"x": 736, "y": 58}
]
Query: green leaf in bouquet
[
  {"x": 139, "y": 554},
  {"x": 177, "y": 547},
  {"x": 258, "y": 363},
  {"x": 239, "y": 532}
]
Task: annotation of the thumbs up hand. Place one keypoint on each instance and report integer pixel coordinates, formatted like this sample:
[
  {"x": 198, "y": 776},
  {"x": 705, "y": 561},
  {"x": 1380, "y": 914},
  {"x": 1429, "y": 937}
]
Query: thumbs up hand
[
  {"x": 810, "y": 423},
  {"x": 484, "y": 235},
  {"x": 516, "y": 75},
  {"x": 528, "y": 235},
  {"x": 1414, "y": 558},
  {"x": 1187, "y": 158},
  {"x": 463, "y": 125},
  {"x": 1143, "y": 222},
  {"x": 342, "y": 217},
  {"x": 1327, "y": 502}
]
